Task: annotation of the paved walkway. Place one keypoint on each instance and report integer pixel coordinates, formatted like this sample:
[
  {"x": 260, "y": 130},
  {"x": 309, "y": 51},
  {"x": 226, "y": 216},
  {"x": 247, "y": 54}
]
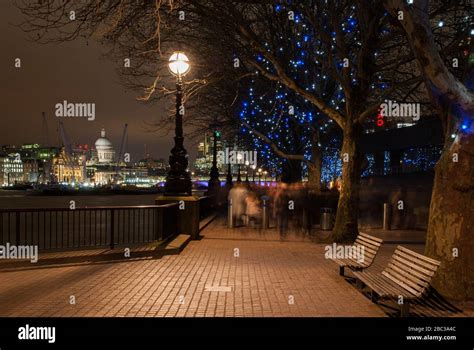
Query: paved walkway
[
  {"x": 238, "y": 272},
  {"x": 267, "y": 278}
]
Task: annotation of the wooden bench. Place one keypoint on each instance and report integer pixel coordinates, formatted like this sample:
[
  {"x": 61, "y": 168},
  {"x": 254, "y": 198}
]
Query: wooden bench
[
  {"x": 406, "y": 278},
  {"x": 371, "y": 247}
]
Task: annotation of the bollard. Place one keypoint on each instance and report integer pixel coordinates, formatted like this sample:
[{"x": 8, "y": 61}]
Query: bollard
[
  {"x": 265, "y": 213},
  {"x": 386, "y": 216},
  {"x": 230, "y": 216},
  {"x": 326, "y": 219}
]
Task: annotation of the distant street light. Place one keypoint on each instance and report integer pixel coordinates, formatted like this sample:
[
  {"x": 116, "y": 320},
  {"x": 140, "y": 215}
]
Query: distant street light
[
  {"x": 253, "y": 172},
  {"x": 239, "y": 160},
  {"x": 247, "y": 163},
  {"x": 178, "y": 181}
]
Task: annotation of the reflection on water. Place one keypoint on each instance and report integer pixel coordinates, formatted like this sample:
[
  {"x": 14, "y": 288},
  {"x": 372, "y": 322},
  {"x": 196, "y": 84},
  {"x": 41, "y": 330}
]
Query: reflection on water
[{"x": 23, "y": 199}]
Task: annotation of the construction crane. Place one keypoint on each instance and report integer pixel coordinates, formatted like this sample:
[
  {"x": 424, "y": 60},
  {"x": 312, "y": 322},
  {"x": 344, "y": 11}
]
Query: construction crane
[
  {"x": 68, "y": 151},
  {"x": 121, "y": 152},
  {"x": 64, "y": 137}
]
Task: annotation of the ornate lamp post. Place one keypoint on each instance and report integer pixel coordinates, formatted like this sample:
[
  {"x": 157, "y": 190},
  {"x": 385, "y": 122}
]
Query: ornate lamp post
[
  {"x": 178, "y": 181},
  {"x": 239, "y": 160},
  {"x": 229, "y": 176},
  {"x": 214, "y": 183}
]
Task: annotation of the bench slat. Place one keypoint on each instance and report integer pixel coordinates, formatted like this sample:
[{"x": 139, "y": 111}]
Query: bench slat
[
  {"x": 413, "y": 274},
  {"x": 368, "y": 252},
  {"x": 411, "y": 281},
  {"x": 407, "y": 266},
  {"x": 414, "y": 259},
  {"x": 365, "y": 244},
  {"x": 367, "y": 249},
  {"x": 372, "y": 238},
  {"x": 371, "y": 247},
  {"x": 413, "y": 263},
  {"x": 420, "y": 256},
  {"x": 401, "y": 283},
  {"x": 369, "y": 241},
  {"x": 383, "y": 286}
]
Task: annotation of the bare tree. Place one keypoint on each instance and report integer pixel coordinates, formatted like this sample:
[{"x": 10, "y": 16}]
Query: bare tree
[
  {"x": 450, "y": 234},
  {"x": 358, "y": 46}
]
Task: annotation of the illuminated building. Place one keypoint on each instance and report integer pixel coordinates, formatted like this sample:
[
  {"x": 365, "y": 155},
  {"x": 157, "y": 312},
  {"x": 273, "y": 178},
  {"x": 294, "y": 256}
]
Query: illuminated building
[
  {"x": 11, "y": 169},
  {"x": 203, "y": 162},
  {"x": 69, "y": 168},
  {"x": 105, "y": 149}
]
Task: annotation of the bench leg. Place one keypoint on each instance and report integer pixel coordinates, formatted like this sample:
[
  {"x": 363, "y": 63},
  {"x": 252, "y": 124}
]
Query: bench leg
[
  {"x": 341, "y": 270},
  {"x": 405, "y": 309},
  {"x": 359, "y": 284}
]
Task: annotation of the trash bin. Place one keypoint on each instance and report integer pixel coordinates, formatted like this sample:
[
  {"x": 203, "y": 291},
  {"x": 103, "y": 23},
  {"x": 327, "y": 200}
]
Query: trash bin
[
  {"x": 326, "y": 219},
  {"x": 230, "y": 215}
]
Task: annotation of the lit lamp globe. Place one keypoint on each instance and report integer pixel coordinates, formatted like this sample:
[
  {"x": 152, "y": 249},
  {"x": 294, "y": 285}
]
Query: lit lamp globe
[{"x": 178, "y": 63}]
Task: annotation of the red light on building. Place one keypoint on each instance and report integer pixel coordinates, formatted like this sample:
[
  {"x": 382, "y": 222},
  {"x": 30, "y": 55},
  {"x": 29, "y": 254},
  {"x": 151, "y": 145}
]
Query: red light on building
[{"x": 380, "y": 118}]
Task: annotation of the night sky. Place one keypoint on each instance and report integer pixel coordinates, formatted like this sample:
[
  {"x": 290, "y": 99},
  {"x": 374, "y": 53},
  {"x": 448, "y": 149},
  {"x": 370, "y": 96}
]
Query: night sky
[{"x": 76, "y": 72}]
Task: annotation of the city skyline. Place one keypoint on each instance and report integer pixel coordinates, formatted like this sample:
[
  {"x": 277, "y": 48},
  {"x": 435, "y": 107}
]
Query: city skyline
[
  {"x": 77, "y": 72},
  {"x": 216, "y": 160}
]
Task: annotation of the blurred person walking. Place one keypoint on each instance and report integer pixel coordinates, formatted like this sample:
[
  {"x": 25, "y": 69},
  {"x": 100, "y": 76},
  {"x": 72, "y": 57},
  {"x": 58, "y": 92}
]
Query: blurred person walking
[
  {"x": 236, "y": 197},
  {"x": 281, "y": 210}
]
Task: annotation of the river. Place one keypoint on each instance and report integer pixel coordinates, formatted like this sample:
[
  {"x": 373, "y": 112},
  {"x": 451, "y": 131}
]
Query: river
[{"x": 24, "y": 199}]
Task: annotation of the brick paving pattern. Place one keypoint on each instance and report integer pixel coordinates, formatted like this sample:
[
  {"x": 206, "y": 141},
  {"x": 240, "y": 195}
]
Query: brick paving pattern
[{"x": 238, "y": 272}]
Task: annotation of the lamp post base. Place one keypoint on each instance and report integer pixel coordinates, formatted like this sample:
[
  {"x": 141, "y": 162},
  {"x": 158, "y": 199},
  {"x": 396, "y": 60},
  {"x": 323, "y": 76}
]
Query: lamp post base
[
  {"x": 178, "y": 186},
  {"x": 213, "y": 185}
]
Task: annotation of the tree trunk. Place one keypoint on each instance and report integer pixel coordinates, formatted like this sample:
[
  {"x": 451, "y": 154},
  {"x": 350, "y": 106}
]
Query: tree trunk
[
  {"x": 314, "y": 166},
  {"x": 314, "y": 175},
  {"x": 345, "y": 228},
  {"x": 451, "y": 225},
  {"x": 291, "y": 171}
]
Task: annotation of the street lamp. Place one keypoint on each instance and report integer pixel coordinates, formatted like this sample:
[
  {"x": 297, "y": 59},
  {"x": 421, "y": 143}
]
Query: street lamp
[
  {"x": 253, "y": 172},
  {"x": 179, "y": 64},
  {"x": 214, "y": 183},
  {"x": 265, "y": 177},
  {"x": 259, "y": 175},
  {"x": 178, "y": 181}
]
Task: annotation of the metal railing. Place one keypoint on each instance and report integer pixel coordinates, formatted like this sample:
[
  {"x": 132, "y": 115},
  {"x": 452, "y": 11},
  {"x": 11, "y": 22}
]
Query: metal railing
[
  {"x": 60, "y": 228},
  {"x": 206, "y": 206}
]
